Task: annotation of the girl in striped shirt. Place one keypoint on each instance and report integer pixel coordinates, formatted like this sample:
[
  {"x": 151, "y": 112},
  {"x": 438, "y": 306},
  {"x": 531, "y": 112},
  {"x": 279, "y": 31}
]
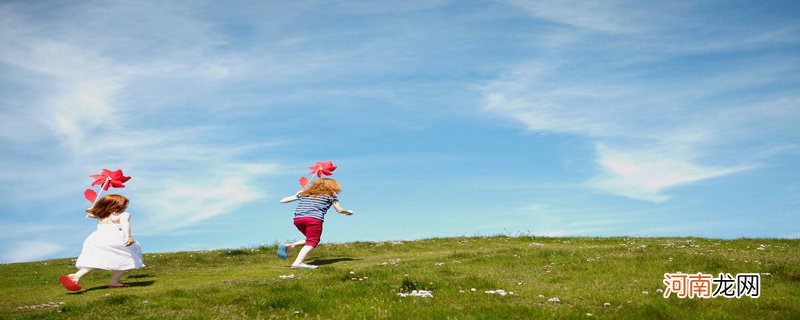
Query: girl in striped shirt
[{"x": 309, "y": 216}]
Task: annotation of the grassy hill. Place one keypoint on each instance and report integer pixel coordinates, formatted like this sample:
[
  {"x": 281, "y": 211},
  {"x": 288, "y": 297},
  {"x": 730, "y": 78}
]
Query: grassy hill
[{"x": 612, "y": 278}]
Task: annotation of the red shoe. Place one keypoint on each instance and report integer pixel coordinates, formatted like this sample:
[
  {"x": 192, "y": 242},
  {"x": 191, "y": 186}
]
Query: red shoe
[{"x": 69, "y": 284}]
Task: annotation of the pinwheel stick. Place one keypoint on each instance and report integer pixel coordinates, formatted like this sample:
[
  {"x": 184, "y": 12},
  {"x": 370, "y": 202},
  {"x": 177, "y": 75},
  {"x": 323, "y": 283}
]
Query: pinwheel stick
[
  {"x": 101, "y": 190},
  {"x": 311, "y": 178}
]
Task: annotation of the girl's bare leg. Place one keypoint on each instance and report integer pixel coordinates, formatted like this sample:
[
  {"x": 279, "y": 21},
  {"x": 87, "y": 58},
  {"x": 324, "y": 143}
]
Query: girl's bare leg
[
  {"x": 83, "y": 271},
  {"x": 115, "y": 278},
  {"x": 290, "y": 246},
  {"x": 302, "y": 256}
]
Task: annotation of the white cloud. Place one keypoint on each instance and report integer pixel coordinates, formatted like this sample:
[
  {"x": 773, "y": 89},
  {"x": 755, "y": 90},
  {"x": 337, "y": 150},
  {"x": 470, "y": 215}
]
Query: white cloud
[
  {"x": 76, "y": 87},
  {"x": 30, "y": 250},
  {"x": 645, "y": 173},
  {"x": 82, "y": 106},
  {"x": 24, "y": 230},
  {"x": 105, "y": 106},
  {"x": 644, "y": 146},
  {"x": 604, "y": 16},
  {"x": 653, "y": 130},
  {"x": 184, "y": 198}
]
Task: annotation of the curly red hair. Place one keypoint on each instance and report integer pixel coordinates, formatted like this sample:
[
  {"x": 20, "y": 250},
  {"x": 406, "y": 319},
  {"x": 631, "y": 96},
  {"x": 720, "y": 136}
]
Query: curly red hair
[
  {"x": 112, "y": 203},
  {"x": 323, "y": 186}
]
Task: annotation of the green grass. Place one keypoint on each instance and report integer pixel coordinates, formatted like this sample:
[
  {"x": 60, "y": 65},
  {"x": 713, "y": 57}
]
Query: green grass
[{"x": 359, "y": 281}]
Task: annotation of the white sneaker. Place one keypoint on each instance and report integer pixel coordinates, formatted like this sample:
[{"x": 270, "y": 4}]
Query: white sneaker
[{"x": 304, "y": 266}]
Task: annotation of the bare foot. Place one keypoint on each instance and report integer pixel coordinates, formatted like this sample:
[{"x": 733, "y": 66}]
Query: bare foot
[{"x": 72, "y": 276}]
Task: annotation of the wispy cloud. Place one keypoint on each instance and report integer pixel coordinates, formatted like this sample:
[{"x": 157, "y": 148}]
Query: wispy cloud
[
  {"x": 30, "y": 250},
  {"x": 646, "y": 173},
  {"x": 603, "y": 16},
  {"x": 179, "y": 201},
  {"x": 653, "y": 128},
  {"x": 86, "y": 100}
]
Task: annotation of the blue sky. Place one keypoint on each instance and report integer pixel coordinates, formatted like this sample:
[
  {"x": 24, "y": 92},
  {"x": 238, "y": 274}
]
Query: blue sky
[{"x": 446, "y": 118}]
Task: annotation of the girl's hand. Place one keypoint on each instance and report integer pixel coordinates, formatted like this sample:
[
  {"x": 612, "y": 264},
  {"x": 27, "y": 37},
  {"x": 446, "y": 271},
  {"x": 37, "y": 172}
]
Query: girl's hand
[
  {"x": 129, "y": 242},
  {"x": 348, "y": 212}
]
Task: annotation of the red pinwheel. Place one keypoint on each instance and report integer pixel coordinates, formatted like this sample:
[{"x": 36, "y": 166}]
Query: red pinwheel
[
  {"x": 318, "y": 169},
  {"x": 321, "y": 168},
  {"x": 115, "y": 179},
  {"x": 105, "y": 180}
]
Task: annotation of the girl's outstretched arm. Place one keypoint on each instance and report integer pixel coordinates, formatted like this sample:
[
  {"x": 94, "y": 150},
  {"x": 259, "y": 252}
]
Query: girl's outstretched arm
[
  {"x": 341, "y": 210},
  {"x": 291, "y": 198},
  {"x": 125, "y": 221}
]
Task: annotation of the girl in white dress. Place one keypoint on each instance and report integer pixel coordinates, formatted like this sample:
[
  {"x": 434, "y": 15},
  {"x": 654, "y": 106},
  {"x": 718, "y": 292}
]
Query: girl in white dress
[{"x": 110, "y": 247}]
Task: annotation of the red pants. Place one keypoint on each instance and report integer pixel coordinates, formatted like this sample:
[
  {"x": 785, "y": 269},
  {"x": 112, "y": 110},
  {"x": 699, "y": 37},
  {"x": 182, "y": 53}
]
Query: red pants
[{"x": 311, "y": 228}]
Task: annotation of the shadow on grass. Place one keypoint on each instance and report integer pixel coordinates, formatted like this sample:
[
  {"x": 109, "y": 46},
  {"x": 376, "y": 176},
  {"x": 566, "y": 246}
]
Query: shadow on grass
[
  {"x": 131, "y": 284},
  {"x": 322, "y": 262},
  {"x": 139, "y": 276}
]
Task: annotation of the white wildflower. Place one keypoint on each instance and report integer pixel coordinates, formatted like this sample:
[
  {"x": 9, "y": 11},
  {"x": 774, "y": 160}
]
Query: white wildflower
[
  {"x": 417, "y": 293},
  {"x": 554, "y": 300},
  {"x": 607, "y": 304}
]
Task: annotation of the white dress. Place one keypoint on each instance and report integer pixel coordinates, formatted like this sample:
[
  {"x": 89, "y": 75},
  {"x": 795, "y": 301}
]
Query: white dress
[{"x": 105, "y": 248}]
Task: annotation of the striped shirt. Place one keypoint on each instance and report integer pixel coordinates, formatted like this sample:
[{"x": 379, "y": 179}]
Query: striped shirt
[{"x": 313, "y": 206}]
